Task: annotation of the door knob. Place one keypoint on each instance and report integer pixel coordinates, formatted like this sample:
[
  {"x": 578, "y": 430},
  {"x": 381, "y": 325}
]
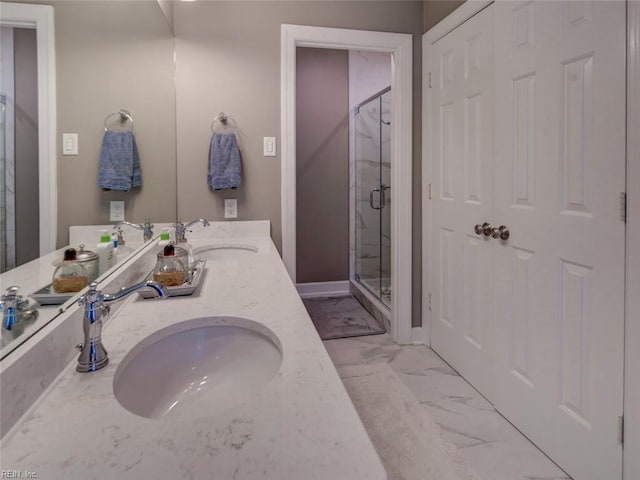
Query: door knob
[
  {"x": 484, "y": 229},
  {"x": 500, "y": 232}
]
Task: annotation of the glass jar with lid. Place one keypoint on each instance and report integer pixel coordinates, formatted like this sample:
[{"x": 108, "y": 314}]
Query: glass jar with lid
[
  {"x": 69, "y": 276},
  {"x": 89, "y": 260},
  {"x": 171, "y": 267}
]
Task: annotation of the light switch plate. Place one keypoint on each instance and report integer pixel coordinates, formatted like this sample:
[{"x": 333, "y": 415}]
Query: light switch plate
[
  {"x": 116, "y": 213},
  {"x": 69, "y": 144},
  {"x": 269, "y": 146},
  {"x": 230, "y": 208}
]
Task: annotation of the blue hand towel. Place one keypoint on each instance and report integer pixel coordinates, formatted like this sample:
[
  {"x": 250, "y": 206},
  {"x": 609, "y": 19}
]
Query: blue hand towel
[
  {"x": 119, "y": 167},
  {"x": 224, "y": 161}
]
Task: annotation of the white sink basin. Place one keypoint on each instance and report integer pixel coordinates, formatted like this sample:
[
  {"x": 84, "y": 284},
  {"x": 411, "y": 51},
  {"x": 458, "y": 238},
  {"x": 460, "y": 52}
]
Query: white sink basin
[
  {"x": 211, "y": 362},
  {"x": 224, "y": 251}
]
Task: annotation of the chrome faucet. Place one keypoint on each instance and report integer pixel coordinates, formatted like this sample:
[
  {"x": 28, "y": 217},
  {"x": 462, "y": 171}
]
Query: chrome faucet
[
  {"x": 181, "y": 228},
  {"x": 93, "y": 355},
  {"x": 146, "y": 227},
  {"x": 118, "y": 228},
  {"x": 14, "y": 309}
]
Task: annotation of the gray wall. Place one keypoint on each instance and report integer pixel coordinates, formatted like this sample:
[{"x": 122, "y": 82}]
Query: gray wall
[
  {"x": 26, "y": 145},
  {"x": 436, "y": 10},
  {"x": 228, "y": 59},
  {"x": 113, "y": 55},
  {"x": 322, "y": 165}
]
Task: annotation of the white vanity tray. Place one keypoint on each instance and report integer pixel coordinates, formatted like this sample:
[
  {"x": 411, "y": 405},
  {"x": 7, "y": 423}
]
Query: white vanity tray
[{"x": 46, "y": 296}]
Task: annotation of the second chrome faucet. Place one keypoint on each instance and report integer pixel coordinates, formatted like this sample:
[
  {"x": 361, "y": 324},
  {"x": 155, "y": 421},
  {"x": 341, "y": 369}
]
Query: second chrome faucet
[
  {"x": 146, "y": 227},
  {"x": 181, "y": 228}
]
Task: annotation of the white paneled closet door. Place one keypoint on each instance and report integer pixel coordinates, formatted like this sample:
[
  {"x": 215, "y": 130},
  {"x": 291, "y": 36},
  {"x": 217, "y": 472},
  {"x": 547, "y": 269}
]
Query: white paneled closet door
[
  {"x": 559, "y": 278},
  {"x": 462, "y": 113},
  {"x": 535, "y": 321}
]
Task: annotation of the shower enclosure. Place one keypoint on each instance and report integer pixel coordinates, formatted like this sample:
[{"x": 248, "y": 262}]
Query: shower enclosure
[
  {"x": 3, "y": 195},
  {"x": 373, "y": 196}
]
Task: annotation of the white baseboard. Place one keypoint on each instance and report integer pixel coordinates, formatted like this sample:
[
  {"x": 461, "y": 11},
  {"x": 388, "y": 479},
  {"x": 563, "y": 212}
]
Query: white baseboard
[
  {"x": 417, "y": 336},
  {"x": 323, "y": 289}
]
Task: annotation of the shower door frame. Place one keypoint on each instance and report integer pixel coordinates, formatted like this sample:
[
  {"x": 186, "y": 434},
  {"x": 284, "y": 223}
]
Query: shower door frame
[
  {"x": 400, "y": 46},
  {"x": 354, "y": 273}
]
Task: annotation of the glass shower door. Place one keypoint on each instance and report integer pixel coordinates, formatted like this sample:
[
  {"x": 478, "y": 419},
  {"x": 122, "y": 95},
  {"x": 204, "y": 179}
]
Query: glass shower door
[
  {"x": 3, "y": 216},
  {"x": 385, "y": 213},
  {"x": 373, "y": 195}
]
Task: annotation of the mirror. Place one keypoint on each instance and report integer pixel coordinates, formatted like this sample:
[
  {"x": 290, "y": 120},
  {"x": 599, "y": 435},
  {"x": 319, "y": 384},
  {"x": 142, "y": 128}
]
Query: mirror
[{"x": 108, "y": 56}]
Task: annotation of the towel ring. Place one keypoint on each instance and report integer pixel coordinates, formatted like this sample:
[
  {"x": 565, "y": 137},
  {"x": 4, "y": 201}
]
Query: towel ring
[
  {"x": 124, "y": 116},
  {"x": 223, "y": 119}
]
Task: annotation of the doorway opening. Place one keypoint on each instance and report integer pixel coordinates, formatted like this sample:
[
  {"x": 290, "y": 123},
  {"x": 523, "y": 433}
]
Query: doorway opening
[{"x": 399, "y": 46}]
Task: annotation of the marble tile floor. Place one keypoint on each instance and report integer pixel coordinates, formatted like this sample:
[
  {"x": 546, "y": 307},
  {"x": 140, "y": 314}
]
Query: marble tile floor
[{"x": 488, "y": 443}]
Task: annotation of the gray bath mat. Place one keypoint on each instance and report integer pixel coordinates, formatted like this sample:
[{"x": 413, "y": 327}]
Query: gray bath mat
[{"x": 341, "y": 317}]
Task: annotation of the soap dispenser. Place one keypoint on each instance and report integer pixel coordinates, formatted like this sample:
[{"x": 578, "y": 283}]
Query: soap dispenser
[
  {"x": 106, "y": 255},
  {"x": 165, "y": 238},
  {"x": 69, "y": 276}
]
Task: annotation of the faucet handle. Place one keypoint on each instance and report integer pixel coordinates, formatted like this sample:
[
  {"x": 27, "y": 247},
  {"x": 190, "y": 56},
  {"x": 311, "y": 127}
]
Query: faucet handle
[
  {"x": 11, "y": 299},
  {"x": 92, "y": 295},
  {"x": 148, "y": 230},
  {"x": 12, "y": 293},
  {"x": 15, "y": 309},
  {"x": 22, "y": 304},
  {"x": 180, "y": 229},
  {"x": 119, "y": 233}
]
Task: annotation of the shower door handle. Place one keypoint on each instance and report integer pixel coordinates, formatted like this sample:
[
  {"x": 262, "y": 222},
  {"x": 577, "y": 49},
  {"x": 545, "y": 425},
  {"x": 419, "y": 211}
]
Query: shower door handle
[
  {"x": 383, "y": 197},
  {"x": 371, "y": 192}
]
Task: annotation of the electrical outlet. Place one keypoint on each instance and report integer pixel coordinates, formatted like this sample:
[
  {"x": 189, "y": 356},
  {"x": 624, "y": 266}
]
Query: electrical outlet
[
  {"x": 231, "y": 208},
  {"x": 116, "y": 213}
]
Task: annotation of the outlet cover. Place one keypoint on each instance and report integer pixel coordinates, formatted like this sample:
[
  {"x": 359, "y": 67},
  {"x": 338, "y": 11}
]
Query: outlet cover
[
  {"x": 231, "y": 208},
  {"x": 116, "y": 213}
]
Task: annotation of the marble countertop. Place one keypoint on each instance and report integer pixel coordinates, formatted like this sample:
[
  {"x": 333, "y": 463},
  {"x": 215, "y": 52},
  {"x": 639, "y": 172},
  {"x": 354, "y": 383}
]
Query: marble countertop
[
  {"x": 29, "y": 277},
  {"x": 301, "y": 425},
  {"x": 36, "y": 274}
]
